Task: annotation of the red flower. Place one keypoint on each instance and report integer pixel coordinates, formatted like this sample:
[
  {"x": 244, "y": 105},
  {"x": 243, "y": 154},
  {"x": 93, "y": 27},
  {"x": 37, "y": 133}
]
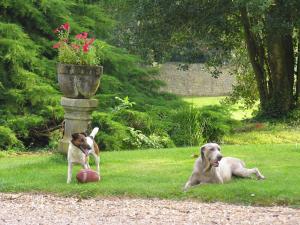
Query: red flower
[
  {"x": 85, "y": 47},
  {"x": 57, "y": 45},
  {"x": 65, "y": 26}
]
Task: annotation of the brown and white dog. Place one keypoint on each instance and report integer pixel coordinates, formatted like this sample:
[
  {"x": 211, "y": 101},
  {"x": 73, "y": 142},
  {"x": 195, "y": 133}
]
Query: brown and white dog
[{"x": 80, "y": 147}]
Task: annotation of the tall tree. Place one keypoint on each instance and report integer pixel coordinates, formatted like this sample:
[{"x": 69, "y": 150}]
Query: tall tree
[{"x": 269, "y": 29}]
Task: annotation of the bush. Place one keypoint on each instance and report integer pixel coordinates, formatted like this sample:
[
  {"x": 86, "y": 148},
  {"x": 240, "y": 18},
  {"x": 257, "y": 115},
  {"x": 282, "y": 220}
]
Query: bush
[
  {"x": 137, "y": 120},
  {"x": 110, "y": 84},
  {"x": 112, "y": 134},
  {"x": 293, "y": 118},
  {"x": 8, "y": 139},
  {"x": 139, "y": 140},
  {"x": 215, "y": 123},
  {"x": 193, "y": 126},
  {"x": 186, "y": 127}
]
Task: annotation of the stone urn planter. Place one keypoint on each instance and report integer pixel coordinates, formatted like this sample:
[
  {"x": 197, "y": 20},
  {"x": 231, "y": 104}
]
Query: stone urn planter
[{"x": 78, "y": 81}]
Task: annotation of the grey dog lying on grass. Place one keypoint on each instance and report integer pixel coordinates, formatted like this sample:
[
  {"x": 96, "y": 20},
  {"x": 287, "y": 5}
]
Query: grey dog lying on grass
[{"x": 212, "y": 167}]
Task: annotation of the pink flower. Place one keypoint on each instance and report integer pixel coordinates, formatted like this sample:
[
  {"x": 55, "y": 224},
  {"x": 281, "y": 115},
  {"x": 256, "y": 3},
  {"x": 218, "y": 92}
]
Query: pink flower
[
  {"x": 56, "y": 30},
  {"x": 57, "y": 45},
  {"x": 78, "y": 36},
  {"x": 84, "y": 35}
]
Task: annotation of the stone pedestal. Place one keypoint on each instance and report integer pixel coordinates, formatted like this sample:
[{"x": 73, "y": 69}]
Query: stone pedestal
[{"x": 77, "y": 118}]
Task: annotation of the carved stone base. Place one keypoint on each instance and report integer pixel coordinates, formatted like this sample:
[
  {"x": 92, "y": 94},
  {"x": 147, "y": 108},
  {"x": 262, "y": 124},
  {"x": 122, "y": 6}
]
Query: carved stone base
[{"x": 77, "y": 118}]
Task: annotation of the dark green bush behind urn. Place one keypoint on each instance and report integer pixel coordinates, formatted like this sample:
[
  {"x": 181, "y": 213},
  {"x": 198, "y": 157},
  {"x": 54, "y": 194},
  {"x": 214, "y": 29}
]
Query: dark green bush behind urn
[{"x": 78, "y": 81}]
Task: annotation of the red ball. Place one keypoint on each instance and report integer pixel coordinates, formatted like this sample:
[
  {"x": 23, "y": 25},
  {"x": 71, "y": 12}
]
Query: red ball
[{"x": 87, "y": 175}]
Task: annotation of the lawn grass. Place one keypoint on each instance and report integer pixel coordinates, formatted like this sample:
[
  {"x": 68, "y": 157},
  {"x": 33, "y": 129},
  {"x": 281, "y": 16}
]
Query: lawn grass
[
  {"x": 161, "y": 173},
  {"x": 238, "y": 113}
]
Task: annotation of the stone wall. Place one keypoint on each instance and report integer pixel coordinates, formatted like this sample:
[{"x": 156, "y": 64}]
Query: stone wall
[{"x": 196, "y": 81}]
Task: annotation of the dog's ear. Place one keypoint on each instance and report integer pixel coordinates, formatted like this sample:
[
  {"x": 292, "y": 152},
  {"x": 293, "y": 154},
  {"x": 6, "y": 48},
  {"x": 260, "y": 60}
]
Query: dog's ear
[
  {"x": 202, "y": 152},
  {"x": 84, "y": 133},
  {"x": 75, "y": 135}
]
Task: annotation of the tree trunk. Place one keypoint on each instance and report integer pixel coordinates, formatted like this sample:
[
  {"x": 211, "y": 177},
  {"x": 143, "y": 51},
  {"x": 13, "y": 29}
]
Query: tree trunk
[
  {"x": 256, "y": 60},
  {"x": 281, "y": 60},
  {"x": 298, "y": 72}
]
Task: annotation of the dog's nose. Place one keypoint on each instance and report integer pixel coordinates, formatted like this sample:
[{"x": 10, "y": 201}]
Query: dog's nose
[{"x": 219, "y": 157}]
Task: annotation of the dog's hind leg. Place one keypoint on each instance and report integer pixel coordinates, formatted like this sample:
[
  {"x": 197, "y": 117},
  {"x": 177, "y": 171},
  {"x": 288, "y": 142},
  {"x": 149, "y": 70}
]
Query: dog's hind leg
[
  {"x": 244, "y": 172},
  {"x": 70, "y": 165}
]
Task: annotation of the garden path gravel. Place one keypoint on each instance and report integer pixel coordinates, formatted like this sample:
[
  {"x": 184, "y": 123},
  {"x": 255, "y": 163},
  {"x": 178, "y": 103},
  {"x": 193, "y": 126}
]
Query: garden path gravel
[{"x": 44, "y": 209}]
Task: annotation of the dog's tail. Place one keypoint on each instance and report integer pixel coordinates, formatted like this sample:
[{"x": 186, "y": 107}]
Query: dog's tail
[{"x": 94, "y": 132}]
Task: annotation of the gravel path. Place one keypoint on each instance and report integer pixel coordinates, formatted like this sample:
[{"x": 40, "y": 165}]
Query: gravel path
[{"x": 47, "y": 209}]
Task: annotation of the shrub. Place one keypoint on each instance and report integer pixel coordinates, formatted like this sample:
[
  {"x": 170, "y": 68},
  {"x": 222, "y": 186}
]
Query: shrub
[
  {"x": 139, "y": 140},
  {"x": 110, "y": 85},
  {"x": 112, "y": 134},
  {"x": 186, "y": 127},
  {"x": 8, "y": 139},
  {"x": 215, "y": 123},
  {"x": 293, "y": 117},
  {"x": 193, "y": 126},
  {"x": 135, "y": 119}
]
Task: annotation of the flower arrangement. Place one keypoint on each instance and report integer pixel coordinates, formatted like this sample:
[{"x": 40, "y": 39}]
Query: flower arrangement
[{"x": 79, "y": 51}]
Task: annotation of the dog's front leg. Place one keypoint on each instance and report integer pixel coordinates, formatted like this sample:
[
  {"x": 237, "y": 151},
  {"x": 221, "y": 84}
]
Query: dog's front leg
[
  {"x": 219, "y": 178},
  {"x": 85, "y": 165},
  {"x": 97, "y": 162},
  {"x": 193, "y": 180},
  {"x": 70, "y": 165}
]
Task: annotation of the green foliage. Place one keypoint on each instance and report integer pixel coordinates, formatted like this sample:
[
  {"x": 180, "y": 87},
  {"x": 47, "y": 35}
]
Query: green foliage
[
  {"x": 215, "y": 123},
  {"x": 8, "y": 140},
  {"x": 193, "y": 126},
  {"x": 29, "y": 101},
  {"x": 186, "y": 130},
  {"x": 293, "y": 118},
  {"x": 131, "y": 112},
  {"x": 135, "y": 119},
  {"x": 138, "y": 140},
  {"x": 245, "y": 87},
  {"x": 29, "y": 95},
  {"x": 110, "y": 84},
  {"x": 124, "y": 104},
  {"x": 112, "y": 134}
]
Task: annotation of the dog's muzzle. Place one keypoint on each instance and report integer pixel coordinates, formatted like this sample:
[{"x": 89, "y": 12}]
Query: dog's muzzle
[{"x": 217, "y": 161}]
